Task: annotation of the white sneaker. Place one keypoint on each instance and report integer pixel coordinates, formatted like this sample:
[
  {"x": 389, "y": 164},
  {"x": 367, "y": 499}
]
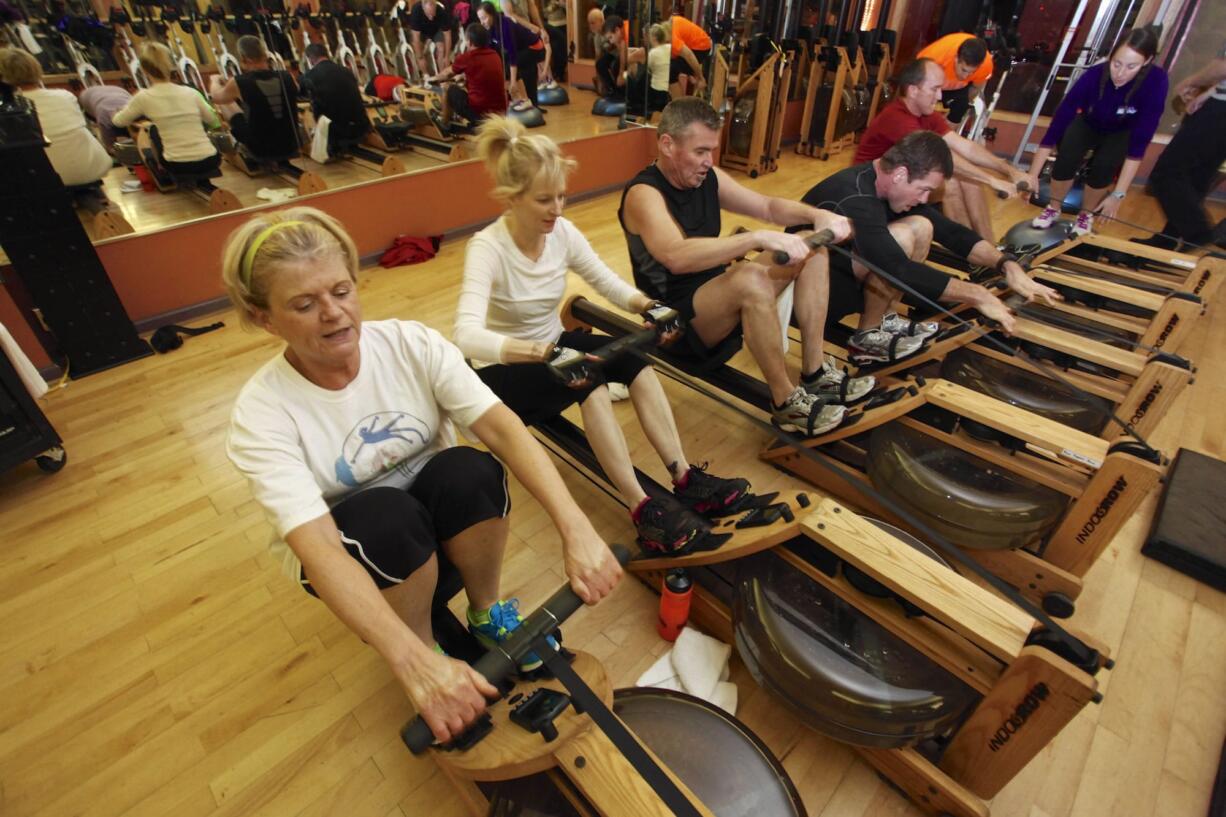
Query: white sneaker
[
  {"x": 838, "y": 386},
  {"x": 879, "y": 346},
  {"x": 896, "y": 324},
  {"x": 1046, "y": 218},
  {"x": 1083, "y": 225},
  {"x": 803, "y": 413}
]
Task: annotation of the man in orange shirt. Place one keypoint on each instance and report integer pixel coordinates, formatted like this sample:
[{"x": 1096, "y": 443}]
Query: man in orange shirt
[
  {"x": 691, "y": 46},
  {"x": 967, "y": 65}
]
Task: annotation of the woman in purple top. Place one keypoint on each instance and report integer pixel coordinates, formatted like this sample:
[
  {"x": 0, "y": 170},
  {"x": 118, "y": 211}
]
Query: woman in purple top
[
  {"x": 521, "y": 46},
  {"x": 1112, "y": 109}
]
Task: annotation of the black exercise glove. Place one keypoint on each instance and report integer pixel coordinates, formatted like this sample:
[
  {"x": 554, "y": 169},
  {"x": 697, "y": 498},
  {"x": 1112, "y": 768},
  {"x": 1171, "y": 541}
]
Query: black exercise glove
[
  {"x": 574, "y": 368},
  {"x": 668, "y": 323}
]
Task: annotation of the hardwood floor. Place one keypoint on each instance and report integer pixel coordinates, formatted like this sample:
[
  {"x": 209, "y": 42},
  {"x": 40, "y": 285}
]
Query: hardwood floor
[{"x": 155, "y": 662}]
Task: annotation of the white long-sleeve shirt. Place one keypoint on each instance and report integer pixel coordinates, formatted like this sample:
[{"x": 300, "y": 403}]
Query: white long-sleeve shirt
[
  {"x": 74, "y": 152},
  {"x": 507, "y": 295},
  {"x": 180, "y": 114}
]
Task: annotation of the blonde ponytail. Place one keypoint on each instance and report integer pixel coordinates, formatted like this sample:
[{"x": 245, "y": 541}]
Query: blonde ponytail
[{"x": 515, "y": 158}]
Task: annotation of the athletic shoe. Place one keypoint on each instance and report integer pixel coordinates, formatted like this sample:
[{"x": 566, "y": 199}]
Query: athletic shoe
[
  {"x": 878, "y": 346},
  {"x": 808, "y": 414},
  {"x": 896, "y": 324},
  {"x": 704, "y": 493},
  {"x": 1046, "y": 218},
  {"x": 837, "y": 386},
  {"x": 1083, "y": 225},
  {"x": 664, "y": 526},
  {"x": 496, "y": 626}
]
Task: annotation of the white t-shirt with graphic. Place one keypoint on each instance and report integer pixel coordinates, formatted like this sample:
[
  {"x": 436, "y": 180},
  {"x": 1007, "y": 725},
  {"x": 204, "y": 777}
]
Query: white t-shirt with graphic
[{"x": 304, "y": 448}]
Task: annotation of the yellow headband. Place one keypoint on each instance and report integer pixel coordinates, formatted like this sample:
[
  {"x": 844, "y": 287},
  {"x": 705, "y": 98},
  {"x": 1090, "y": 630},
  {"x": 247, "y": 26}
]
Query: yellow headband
[{"x": 249, "y": 256}]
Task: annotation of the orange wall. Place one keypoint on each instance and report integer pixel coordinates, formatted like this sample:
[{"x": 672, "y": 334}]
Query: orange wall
[{"x": 167, "y": 270}]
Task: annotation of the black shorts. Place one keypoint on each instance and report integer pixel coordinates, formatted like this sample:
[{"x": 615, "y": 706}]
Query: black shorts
[
  {"x": 457, "y": 98},
  {"x": 692, "y": 346},
  {"x": 1110, "y": 150},
  {"x": 678, "y": 66},
  {"x": 534, "y": 394},
  {"x": 846, "y": 293},
  {"x": 392, "y": 532}
]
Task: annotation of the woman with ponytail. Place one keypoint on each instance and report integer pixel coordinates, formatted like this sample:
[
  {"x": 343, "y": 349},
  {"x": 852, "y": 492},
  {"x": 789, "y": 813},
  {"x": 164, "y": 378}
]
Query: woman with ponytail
[
  {"x": 507, "y": 323},
  {"x": 347, "y": 439},
  {"x": 1113, "y": 109}
]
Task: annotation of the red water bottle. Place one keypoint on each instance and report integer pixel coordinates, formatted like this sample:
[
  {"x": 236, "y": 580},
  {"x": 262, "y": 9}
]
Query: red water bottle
[{"x": 674, "y": 604}]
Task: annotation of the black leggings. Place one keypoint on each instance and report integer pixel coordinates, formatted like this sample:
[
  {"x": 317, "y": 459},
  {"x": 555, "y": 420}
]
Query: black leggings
[
  {"x": 529, "y": 390},
  {"x": 392, "y": 532},
  {"x": 1110, "y": 151},
  {"x": 558, "y": 51},
  {"x": 527, "y": 60},
  {"x": 1187, "y": 170}
]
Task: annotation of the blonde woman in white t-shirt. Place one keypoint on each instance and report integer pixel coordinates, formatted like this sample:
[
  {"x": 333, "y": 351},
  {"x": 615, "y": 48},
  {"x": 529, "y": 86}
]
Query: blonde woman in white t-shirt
[
  {"x": 179, "y": 114},
  {"x": 507, "y": 319},
  {"x": 347, "y": 440},
  {"x": 75, "y": 154}
]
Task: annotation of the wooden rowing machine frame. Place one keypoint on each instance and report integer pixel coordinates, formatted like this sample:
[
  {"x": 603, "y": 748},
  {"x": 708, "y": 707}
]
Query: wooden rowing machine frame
[
  {"x": 769, "y": 85},
  {"x": 306, "y": 181},
  {"x": 218, "y": 200},
  {"x": 582, "y": 761},
  {"x": 985, "y": 643},
  {"x": 1104, "y": 483}
]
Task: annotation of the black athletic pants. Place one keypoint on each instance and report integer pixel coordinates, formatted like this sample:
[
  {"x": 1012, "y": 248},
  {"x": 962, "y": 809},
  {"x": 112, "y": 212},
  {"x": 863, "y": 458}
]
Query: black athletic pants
[
  {"x": 1110, "y": 151},
  {"x": 534, "y": 394},
  {"x": 559, "y": 51},
  {"x": 527, "y": 60},
  {"x": 392, "y": 532},
  {"x": 606, "y": 70},
  {"x": 1187, "y": 170}
]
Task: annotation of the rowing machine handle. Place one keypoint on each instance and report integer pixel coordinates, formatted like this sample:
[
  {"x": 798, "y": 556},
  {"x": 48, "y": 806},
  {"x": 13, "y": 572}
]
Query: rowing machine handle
[
  {"x": 816, "y": 241},
  {"x": 498, "y": 664}
]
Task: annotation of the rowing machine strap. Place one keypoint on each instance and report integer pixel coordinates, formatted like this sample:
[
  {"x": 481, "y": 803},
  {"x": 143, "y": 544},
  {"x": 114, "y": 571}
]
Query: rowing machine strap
[{"x": 589, "y": 703}]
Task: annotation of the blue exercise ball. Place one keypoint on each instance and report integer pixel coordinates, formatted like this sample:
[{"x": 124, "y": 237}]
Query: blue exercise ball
[
  {"x": 529, "y": 117},
  {"x": 609, "y": 106},
  {"x": 554, "y": 95}
]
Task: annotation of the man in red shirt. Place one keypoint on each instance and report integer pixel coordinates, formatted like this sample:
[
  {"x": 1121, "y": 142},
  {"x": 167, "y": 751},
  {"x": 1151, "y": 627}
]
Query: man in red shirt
[
  {"x": 482, "y": 66},
  {"x": 914, "y": 108}
]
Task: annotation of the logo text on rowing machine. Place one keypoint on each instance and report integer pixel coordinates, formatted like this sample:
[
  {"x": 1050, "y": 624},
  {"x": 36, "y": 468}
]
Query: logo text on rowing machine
[
  {"x": 1100, "y": 513},
  {"x": 1166, "y": 331},
  {"x": 1146, "y": 402},
  {"x": 1204, "y": 279},
  {"x": 1028, "y": 706}
]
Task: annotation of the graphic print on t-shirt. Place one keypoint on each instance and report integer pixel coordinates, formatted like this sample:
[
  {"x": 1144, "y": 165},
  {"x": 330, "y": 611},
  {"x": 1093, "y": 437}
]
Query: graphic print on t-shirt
[{"x": 378, "y": 444}]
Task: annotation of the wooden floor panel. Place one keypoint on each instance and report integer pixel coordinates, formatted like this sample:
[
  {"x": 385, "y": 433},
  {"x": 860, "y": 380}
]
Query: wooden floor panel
[{"x": 155, "y": 662}]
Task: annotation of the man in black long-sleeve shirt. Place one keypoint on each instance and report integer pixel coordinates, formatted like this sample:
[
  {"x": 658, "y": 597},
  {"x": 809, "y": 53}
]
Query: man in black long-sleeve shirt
[{"x": 893, "y": 227}]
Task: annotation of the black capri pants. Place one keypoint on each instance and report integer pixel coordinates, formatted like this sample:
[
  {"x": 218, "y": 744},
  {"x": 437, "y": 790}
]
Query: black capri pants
[
  {"x": 393, "y": 532},
  {"x": 1110, "y": 151},
  {"x": 678, "y": 66},
  {"x": 534, "y": 394}
]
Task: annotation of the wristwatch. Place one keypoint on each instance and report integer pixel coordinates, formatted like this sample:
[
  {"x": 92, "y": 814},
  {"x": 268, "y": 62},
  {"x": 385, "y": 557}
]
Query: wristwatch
[
  {"x": 1115, "y": 194},
  {"x": 1005, "y": 258}
]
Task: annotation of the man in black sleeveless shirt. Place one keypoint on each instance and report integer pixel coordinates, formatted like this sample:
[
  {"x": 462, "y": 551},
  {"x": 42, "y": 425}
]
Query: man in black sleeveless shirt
[
  {"x": 267, "y": 125},
  {"x": 670, "y": 213},
  {"x": 893, "y": 227}
]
